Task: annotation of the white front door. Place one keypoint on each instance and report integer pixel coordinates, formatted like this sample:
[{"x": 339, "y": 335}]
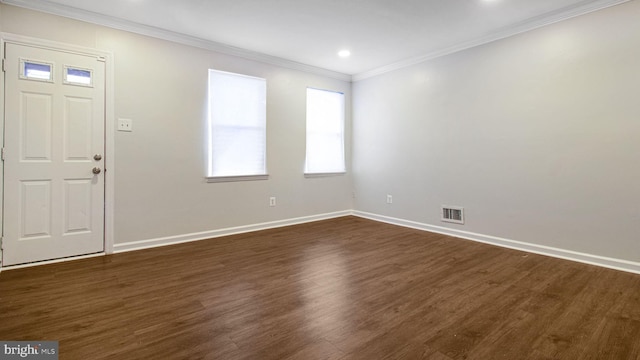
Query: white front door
[{"x": 53, "y": 154}]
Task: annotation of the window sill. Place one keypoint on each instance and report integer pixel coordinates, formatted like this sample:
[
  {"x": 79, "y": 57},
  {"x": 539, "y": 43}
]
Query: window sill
[
  {"x": 218, "y": 179},
  {"x": 321, "y": 175}
]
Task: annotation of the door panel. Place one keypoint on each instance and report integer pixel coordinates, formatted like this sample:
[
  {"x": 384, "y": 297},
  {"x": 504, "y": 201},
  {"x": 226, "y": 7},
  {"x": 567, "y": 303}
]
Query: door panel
[
  {"x": 77, "y": 134},
  {"x": 36, "y": 123},
  {"x": 35, "y": 209},
  {"x": 54, "y": 125},
  {"x": 77, "y": 206}
]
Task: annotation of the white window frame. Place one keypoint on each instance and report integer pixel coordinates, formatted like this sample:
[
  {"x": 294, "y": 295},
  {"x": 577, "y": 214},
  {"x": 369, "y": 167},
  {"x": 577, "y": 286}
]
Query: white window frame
[
  {"x": 23, "y": 72},
  {"x": 311, "y": 172},
  {"x": 211, "y": 128},
  {"x": 65, "y": 76}
]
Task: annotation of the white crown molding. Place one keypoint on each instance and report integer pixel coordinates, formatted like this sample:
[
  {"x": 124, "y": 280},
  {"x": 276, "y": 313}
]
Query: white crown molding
[
  {"x": 566, "y": 13},
  {"x": 129, "y": 26},
  {"x": 581, "y": 8},
  {"x": 597, "y": 260}
]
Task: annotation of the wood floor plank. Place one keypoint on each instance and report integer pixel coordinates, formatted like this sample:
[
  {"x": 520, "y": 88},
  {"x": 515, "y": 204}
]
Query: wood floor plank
[{"x": 339, "y": 289}]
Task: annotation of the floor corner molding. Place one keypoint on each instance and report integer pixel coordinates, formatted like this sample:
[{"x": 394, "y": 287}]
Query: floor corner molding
[
  {"x": 178, "y": 239},
  {"x": 606, "y": 262}
]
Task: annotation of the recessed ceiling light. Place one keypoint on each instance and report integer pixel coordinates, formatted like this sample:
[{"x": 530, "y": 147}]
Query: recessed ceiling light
[{"x": 344, "y": 53}]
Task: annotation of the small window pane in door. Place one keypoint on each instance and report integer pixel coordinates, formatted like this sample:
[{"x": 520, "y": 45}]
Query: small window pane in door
[
  {"x": 76, "y": 76},
  {"x": 36, "y": 70}
]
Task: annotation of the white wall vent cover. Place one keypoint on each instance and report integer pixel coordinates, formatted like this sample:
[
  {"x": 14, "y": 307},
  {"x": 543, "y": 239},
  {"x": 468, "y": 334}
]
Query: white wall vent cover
[{"x": 452, "y": 214}]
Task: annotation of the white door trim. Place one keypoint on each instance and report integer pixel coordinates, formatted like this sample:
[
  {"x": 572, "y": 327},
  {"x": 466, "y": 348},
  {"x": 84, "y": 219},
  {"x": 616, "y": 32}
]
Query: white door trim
[{"x": 109, "y": 122}]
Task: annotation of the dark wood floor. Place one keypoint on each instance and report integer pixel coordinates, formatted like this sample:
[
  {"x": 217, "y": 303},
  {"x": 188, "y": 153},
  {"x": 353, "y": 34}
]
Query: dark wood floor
[{"x": 346, "y": 288}]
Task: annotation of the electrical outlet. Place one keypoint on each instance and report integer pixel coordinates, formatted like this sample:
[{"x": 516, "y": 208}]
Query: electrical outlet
[
  {"x": 125, "y": 125},
  {"x": 272, "y": 201},
  {"x": 389, "y": 199}
]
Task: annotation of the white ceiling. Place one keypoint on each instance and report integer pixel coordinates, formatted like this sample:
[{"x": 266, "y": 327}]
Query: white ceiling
[{"x": 381, "y": 34}]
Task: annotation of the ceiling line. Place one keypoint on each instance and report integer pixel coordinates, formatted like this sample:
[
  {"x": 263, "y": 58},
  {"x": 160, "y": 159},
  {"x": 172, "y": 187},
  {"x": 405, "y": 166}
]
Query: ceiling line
[
  {"x": 566, "y": 13},
  {"x": 158, "y": 33},
  {"x": 581, "y": 8}
]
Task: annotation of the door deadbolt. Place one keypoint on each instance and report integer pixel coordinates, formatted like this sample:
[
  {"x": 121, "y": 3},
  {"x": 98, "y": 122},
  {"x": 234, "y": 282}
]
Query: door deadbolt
[
  {"x": 96, "y": 170},
  {"x": 97, "y": 157}
]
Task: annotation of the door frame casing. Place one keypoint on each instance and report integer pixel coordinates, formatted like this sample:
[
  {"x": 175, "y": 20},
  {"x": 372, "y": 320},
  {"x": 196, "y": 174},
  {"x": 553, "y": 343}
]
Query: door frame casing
[{"x": 109, "y": 127}]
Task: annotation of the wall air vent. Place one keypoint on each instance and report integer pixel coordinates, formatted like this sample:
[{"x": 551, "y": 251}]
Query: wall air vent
[{"x": 452, "y": 214}]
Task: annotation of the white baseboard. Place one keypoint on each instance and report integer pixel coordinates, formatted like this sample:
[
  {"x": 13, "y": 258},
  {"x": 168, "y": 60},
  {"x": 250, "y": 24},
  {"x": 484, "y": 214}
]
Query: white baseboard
[
  {"x": 178, "y": 239},
  {"x": 611, "y": 263}
]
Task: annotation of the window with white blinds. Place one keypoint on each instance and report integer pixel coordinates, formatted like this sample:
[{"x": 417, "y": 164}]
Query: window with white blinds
[
  {"x": 325, "y": 132},
  {"x": 237, "y": 127}
]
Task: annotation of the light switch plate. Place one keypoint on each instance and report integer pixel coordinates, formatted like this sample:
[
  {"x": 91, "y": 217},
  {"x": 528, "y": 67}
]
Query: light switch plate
[{"x": 125, "y": 125}]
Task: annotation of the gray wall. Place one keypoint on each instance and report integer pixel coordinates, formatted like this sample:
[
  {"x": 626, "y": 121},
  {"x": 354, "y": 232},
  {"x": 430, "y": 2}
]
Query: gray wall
[
  {"x": 160, "y": 189},
  {"x": 537, "y": 136}
]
